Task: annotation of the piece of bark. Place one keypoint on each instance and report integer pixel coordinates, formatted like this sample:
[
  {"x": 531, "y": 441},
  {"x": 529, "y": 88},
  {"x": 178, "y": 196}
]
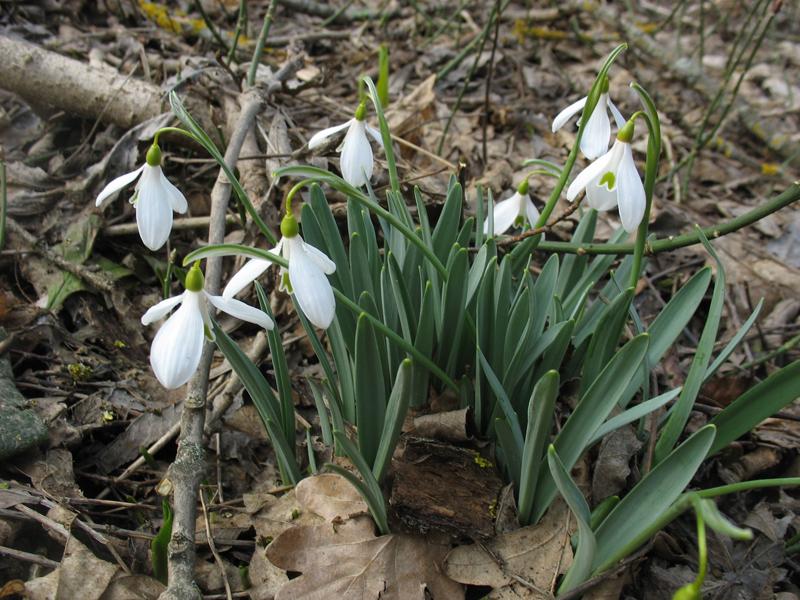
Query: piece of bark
[
  {"x": 447, "y": 488},
  {"x": 451, "y": 426},
  {"x": 40, "y": 77}
]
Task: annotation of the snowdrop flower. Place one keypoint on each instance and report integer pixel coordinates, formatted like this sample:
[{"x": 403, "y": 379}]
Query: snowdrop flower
[
  {"x": 513, "y": 211},
  {"x": 155, "y": 198},
  {"x": 612, "y": 180},
  {"x": 356, "y": 160},
  {"x": 175, "y": 353},
  {"x": 594, "y": 141},
  {"x": 305, "y": 276}
]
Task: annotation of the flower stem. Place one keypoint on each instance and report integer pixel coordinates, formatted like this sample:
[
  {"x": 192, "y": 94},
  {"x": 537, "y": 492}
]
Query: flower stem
[{"x": 789, "y": 196}]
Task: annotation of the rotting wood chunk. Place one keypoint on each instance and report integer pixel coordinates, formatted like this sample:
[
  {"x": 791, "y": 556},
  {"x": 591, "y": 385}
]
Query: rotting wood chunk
[{"x": 444, "y": 487}]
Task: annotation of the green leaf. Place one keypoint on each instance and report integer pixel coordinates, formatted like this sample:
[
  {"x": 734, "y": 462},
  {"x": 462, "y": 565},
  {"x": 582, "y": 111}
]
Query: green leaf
[
  {"x": 159, "y": 550},
  {"x": 508, "y": 450},
  {"x": 694, "y": 379},
  {"x": 629, "y": 525},
  {"x": 592, "y": 409},
  {"x": 322, "y": 413},
  {"x": 453, "y": 308},
  {"x": 282, "y": 378},
  {"x": 446, "y": 230},
  {"x": 265, "y": 402},
  {"x": 669, "y": 323},
  {"x": 633, "y": 414},
  {"x": 367, "y": 486},
  {"x": 505, "y": 404},
  {"x": 423, "y": 343},
  {"x": 399, "y": 401},
  {"x": 540, "y": 422},
  {"x": 605, "y": 338},
  {"x": 756, "y": 404},
  {"x": 587, "y": 544},
  {"x": 369, "y": 389}
]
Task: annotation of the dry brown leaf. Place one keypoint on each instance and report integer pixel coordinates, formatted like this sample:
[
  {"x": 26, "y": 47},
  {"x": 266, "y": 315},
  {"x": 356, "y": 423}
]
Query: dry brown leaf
[
  {"x": 265, "y": 578},
  {"x": 536, "y": 554},
  {"x": 279, "y": 514},
  {"x": 348, "y": 561},
  {"x": 330, "y": 496}
]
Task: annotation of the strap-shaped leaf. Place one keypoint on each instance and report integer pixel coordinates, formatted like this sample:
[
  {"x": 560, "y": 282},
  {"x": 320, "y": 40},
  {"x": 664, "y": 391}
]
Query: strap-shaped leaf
[
  {"x": 540, "y": 422},
  {"x": 573, "y": 266},
  {"x": 446, "y": 230},
  {"x": 756, "y": 404},
  {"x": 369, "y": 388},
  {"x": 702, "y": 357},
  {"x": 396, "y": 410},
  {"x": 604, "y": 341},
  {"x": 506, "y": 409},
  {"x": 631, "y": 522},
  {"x": 280, "y": 367},
  {"x": 592, "y": 409},
  {"x": 587, "y": 544},
  {"x": 266, "y": 404}
]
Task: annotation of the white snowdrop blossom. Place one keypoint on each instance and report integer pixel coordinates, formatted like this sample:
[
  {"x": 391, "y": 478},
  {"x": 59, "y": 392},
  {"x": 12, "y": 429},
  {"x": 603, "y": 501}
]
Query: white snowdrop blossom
[
  {"x": 594, "y": 141},
  {"x": 155, "y": 198},
  {"x": 612, "y": 180},
  {"x": 175, "y": 353},
  {"x": 306, "y": 275},
  {"x": 356, "y": 161},
  {"x": 513, "y": 211}
]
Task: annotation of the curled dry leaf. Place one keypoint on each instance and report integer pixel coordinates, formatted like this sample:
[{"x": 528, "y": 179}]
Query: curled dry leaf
[
  {"x": 330, "y": 496},
  {"x": 348, "y": 561},
  {"x": 83, "y": 575},
  {"x": 526, "y": 559}
]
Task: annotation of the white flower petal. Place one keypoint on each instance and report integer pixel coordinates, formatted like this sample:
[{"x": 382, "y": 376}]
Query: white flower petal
[
  {"x": 566, "y": 114},
  {"x": 630, "y": 192},
  {"x": 311, "y": 287},
  {"x": 177, "y": 347},
  {"x": 356, "y": 161},
  {"x": 242, "y": 311},
  {"x": 376, "y": 135},
  {"x": 251, "y": 271},
  {"x": 117, "y": 184},
  {"x": 321, "y": 137},
  {"x": 176, "y": 198},
  {"x": 588, "y": 174},
  {"x": 599, "y": 197},
  {"x": 319, "y": 257},
  {"x": 618, "y": 118},
  {"x": 530, "y": 212},
  {"x": 505, "y": 212},
  {"x": 594, "y": 141},
  {"x": 160, "y": 310},
  {"x": 153, "y": 210}
]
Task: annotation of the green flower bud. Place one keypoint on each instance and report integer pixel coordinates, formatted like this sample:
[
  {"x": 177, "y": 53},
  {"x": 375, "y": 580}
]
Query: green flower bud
[
  {"x": 522, "y": 188},
  {"x": 604, "y": 85},
  {"x": 153, "y": 157},
  {"x": 289, "y": 226},
  {"x": 194, "y": 278},
  {"x": 626, "y": 133},
  {"x": 361, "y": 111},
  {"x": 688, "y": 592}
]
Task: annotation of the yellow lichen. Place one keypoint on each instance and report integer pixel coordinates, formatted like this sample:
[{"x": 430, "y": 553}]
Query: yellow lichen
[
  {"x": 482, "y": 462},
  {"x": 770, "y": 169}
]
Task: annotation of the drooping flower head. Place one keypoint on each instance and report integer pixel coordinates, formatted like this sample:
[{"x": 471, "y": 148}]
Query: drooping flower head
[
  {"x": 612, "y": 180},
  {"x": 305, "y": 277},
  {"x": 356, "y": 162},
  {"x": 154, "y": 199},
  {"x": 515, "y": 210},
  {"x": 594, "y": 141},
  {"x": 178, "y": 345}
]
